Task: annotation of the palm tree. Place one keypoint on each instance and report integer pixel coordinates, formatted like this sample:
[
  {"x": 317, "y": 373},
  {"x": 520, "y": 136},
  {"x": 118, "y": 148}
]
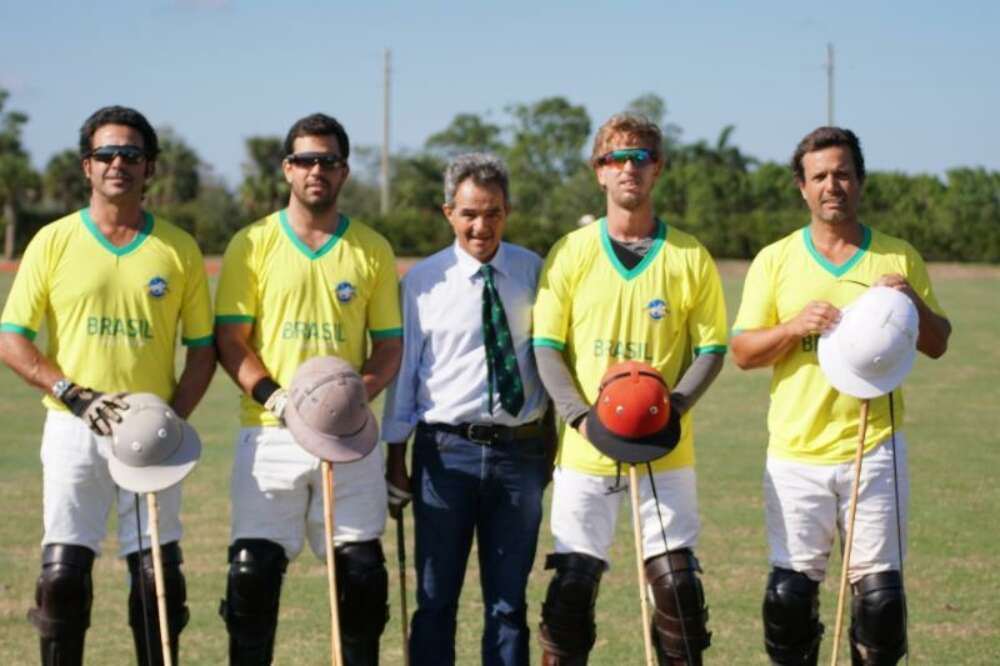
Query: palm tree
[
  {"x": 177, "y": 179},
  {"x": 64, "y": 182},
  {"x": 16, "y": 175},
  {"x": 263, "y": 188}
]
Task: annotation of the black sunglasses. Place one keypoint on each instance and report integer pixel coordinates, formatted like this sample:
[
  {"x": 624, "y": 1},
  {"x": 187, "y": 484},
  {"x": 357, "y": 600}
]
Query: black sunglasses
[
  {"x": 107, "y": 154},
  {"x": 326, "y": 161}
]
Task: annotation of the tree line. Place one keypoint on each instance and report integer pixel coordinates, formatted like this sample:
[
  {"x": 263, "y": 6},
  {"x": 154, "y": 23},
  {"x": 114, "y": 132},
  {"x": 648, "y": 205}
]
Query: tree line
[{"x": 733, "y": 202}]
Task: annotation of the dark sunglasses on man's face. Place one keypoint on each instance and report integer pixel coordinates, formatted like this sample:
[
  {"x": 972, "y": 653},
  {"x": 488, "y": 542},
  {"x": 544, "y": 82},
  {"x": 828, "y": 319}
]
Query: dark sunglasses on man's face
[
  {"x": 107, "y": 154},
  {"x": 618, "y": 158},
  {"x": 326, "y": 161}
]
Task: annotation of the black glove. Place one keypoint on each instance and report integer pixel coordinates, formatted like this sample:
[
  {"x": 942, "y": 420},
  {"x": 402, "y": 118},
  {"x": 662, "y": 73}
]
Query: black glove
[{"x": 100, "y": 411}]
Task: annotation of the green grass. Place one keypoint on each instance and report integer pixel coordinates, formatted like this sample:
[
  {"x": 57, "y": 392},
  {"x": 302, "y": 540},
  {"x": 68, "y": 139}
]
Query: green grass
[{"x": 952, "y": 569}]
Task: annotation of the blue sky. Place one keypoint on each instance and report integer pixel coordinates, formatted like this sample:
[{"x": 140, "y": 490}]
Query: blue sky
[{"x": 917, "y": 80}]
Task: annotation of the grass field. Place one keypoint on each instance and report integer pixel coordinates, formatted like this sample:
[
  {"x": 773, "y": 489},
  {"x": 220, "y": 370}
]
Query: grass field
[{"x": 953, "y": 570}]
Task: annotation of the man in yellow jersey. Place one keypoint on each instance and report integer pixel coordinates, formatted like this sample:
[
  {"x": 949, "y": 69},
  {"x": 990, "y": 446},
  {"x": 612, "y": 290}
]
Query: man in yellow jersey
[
  {"x": 793, "y": 292},
  {"x": 627, "y": 287},
  {"x": 116, "y": 287},
  {"x": 305, "y": 281}
]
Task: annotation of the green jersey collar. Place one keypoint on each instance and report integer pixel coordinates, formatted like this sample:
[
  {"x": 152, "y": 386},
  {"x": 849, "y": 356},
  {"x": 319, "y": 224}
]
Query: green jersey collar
[
  {"x": 342, "y": 223},
  {"x": 140, "y": 236},
  {"x": 659, "y": 236},
  {"x": 826, "y": 264}
]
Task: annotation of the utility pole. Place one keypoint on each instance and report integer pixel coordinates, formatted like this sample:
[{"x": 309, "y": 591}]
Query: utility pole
[
  {"x": 829, "y": 84},
  {"x": 384, "y": 207}
]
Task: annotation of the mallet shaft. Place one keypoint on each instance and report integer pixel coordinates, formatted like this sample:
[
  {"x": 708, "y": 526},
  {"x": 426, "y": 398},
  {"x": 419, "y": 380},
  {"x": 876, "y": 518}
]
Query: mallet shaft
[
  {"x": 331, "y": 571},
  {"x": 849, "y": 538},
  {"x": 647, "y": 640},
  {"x": 161, "y": 595}
]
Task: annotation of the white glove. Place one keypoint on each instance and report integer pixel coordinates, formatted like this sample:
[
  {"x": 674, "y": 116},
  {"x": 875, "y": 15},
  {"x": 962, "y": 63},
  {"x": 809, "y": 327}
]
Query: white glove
[{"x": 276, "y": 404}]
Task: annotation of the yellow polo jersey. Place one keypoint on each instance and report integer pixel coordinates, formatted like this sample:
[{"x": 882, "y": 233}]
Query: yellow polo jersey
[
  {"x": 112, "y": 314},
  {"x": 664, "y": 311},
  {"x": 304, "y": 303},
  {"x": 809, "y": 420}
]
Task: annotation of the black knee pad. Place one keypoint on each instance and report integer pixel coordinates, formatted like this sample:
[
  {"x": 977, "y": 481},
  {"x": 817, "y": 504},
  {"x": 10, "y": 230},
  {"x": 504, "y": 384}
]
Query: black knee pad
[
  {"x": 146, "y": 618},
  {"x": 680, "y": 617},
  {"x": 362, "y": 590},
  {"x": 173, "y": 585},
  {"x": 878, "y": 619},
  {"x": 64, "y": 592},
  {"x": 253, "y": 590},
  {"x": 568, "y": 629},
  {"x": 792, "y": 630}
]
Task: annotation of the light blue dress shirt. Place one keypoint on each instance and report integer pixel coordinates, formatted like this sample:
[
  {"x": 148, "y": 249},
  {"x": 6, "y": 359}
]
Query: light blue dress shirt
[{"x": 442, "y": 377}]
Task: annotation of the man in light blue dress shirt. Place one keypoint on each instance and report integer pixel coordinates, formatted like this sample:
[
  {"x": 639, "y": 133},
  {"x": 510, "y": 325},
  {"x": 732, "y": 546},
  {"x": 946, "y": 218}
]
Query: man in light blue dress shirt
[{"x": 469, "y": 390}]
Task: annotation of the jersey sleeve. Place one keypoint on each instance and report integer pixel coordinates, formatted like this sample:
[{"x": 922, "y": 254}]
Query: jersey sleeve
[
  {"x": 196, "y": 308},
  {"x": 916, "y": 275},
  {"x": 237, "y": 298},
  {"x": 29, "y": 295},
  {"x": 551, "y": 313},
  {"x": 384, "y": 318},
  {"x": 707, "y": 321},
  {"x": 757, "y": 306}
]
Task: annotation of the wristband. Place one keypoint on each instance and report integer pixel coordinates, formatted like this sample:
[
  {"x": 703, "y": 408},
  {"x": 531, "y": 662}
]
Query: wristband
[{"x": 263, "y": 389}]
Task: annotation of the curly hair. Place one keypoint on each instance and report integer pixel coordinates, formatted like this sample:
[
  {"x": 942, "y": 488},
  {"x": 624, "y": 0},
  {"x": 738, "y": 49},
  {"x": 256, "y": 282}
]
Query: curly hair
[
  {"x": 629, "y": 124},
  {"x": 119, "y": 115}
]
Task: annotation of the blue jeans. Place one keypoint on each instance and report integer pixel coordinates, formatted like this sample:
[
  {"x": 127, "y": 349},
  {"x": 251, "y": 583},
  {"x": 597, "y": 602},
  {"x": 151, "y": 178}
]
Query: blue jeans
[{"x": 495, "y": 492}]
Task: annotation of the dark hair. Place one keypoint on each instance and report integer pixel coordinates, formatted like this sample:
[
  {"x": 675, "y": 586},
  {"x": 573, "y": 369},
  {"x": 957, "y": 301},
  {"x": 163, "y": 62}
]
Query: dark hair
[
  {"x": 119, "y": 115},
  {"x": 318, "y": 124},
  {"x": 826, "y": 137}
]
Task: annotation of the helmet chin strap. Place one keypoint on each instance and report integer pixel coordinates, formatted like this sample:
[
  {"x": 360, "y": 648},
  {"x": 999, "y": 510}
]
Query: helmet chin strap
[
  {"x": 142, "y": 586},
  {"x": 670, "y": 566},
  {"x": 899, "y": 528}
]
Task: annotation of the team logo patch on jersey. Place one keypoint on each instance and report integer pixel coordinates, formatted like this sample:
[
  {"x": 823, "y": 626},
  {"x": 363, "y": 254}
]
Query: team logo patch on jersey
[
  {"x": 345, "y": 292},
  {"x": 157, "y": 287},
  {"x": 657, "y": 309}
]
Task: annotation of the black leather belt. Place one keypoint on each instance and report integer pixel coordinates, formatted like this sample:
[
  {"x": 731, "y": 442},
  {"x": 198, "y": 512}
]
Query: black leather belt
[{"x": 488, "y": 434}]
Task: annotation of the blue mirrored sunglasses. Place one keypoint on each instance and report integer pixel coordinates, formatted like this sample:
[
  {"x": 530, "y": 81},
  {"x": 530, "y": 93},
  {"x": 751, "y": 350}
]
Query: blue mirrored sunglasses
[{"x": 638, "y": 157}]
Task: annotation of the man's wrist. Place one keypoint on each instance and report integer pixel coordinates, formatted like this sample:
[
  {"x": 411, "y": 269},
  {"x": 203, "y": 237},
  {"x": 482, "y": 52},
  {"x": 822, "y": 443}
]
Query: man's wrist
[
  {"x": 61, "y": 388},
  {"x": 264, "y": 389}
]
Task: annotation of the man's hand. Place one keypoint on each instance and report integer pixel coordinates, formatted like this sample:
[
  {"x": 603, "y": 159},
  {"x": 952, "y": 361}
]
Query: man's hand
[
  {"x": 816, "y": 317},
  {"x": 899, "y": 283},
  {"x": 100, "y": 411},
  {"x": 276, "y": 404},
  {"x": 397, "y": 480},
  {"x": 934, "y": 329}
]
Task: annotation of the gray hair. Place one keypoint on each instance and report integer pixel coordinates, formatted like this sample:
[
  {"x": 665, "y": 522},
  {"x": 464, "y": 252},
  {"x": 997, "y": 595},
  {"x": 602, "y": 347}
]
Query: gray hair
[{"x": 483, "y": 168}]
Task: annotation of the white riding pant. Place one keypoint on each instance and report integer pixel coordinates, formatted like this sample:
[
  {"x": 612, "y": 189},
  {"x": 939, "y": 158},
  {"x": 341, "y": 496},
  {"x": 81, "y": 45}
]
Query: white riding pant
[
  {"x": 807, "y": 506},
  {"x": 584, "y": 512},
  {"x": 277, "y": 493}
]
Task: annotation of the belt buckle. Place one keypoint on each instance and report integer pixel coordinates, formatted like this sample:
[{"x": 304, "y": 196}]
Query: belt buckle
[{"x": 484, "y": 438}]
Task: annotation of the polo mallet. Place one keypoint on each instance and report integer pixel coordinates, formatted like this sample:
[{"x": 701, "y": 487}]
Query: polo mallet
[
  {"x": 849, "y": 538},
  {"x": 404, "y": 618},
  {"x": 151, "y": 450},
  {"x": 647, "y": 639},
  {"x": 331, "y": 568},
  {"x": 142, "y": 585},
  {"x": 161, "y": 595}
]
